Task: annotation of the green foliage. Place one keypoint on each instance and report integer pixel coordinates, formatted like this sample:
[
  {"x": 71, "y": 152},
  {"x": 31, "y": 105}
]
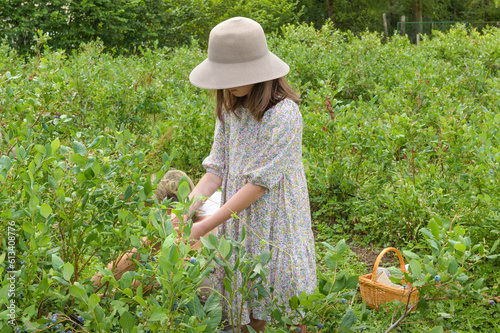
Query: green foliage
[{"x": 390, "y": 143}]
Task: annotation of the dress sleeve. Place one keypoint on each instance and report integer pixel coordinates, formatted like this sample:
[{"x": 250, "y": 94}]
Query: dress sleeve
[
  {"x": 280, "y": 149},
  {"x": 216, "y": 162}
]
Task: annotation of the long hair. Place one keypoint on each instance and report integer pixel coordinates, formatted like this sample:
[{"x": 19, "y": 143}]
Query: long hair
[{"x": 262, "y": 97}]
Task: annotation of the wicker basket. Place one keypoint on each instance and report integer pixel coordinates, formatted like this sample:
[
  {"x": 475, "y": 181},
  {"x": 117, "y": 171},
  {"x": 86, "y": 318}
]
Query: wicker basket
[{"x": 374, "y": 293}]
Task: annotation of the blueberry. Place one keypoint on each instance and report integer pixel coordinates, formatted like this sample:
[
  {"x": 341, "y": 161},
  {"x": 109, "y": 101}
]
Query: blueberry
[
  {"x": 437, "y": 278},
  {"x": 53, "y": 321},
  {"x": 58, "y": 326},
  {"x": 135, "y": 183},
  {"x": 343, "y": 300},
  {"x": 148, "y": 330},
  {"x": 140, "y": 314},
  {"x": 21, "y": 295},
  {"x": 23, "y": 262},
  {"x": 81, "y": 319},
  {"x": 298, "y": 329},
  {"x": 193, "y": 260},
  {"x": 69, "y": 331},
  {"x": 492, "y": 302},
  {"x": 320, "y": 325},
  {"x": 17, "y": 329},
  {"x": 9, "y": 269},
  {"x": 153, "y": 258}
]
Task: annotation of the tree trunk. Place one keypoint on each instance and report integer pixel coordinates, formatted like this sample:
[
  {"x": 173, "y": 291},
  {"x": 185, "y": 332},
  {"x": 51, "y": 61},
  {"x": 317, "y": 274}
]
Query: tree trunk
[
  {"x": 416, "y": 8},
  {"x": 486, "y": 10},
  {"x": 331, "y": 12}
]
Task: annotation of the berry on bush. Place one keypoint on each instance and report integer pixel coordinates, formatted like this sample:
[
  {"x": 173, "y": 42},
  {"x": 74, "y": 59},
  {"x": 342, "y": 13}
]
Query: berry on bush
[
  {"x": 343, "y": 300},
  {"x": 437, "y": 278},
  {"x": 81, "y": 319},
  {"x": 193, "y": 260},
  {"x": 492, "y": 302},
  {"x": 320, "y": 325}
]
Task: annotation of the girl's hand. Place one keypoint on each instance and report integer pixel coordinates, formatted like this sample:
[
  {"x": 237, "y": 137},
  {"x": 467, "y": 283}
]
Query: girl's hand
[
  {"x": 196, "y": 232},
  {"x": 175, "y": 220}
]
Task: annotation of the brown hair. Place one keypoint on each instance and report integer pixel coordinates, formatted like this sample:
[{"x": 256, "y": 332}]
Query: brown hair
[
  {"x": 262, "y": 97},
  {"x": 168, "y": 186}
]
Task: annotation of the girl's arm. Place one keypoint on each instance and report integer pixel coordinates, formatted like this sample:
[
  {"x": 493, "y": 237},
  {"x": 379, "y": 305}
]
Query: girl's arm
[
  {"x": 207, "y": 186},
  {"x": 247, "y": 195}
]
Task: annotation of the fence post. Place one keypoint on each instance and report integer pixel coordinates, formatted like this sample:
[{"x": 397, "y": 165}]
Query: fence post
[
  {"x": 403, "y": 32},
  {"x": 385, "y": 25}
]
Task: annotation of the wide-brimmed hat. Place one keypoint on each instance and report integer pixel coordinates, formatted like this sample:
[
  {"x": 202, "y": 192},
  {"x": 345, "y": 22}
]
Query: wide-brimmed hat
[{"x": 237, "y": 56}]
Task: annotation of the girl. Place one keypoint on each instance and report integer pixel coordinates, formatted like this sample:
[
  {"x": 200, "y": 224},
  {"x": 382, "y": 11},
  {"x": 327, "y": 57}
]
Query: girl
[
  {"x": 165, "y": 189},
  {"x": 256, "y": 158}
]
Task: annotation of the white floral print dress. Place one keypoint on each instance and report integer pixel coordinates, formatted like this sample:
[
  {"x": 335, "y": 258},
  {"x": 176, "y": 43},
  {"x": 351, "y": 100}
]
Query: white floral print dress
[{"x": 267, "y": 153}]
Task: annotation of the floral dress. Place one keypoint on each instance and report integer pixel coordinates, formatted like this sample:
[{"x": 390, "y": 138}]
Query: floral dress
[{"x": 267, "y": 153}]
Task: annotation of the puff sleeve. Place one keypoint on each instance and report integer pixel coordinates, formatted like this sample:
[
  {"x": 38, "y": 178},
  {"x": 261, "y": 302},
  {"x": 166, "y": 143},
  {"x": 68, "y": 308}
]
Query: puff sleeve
[{"x": 279, "y": 147}]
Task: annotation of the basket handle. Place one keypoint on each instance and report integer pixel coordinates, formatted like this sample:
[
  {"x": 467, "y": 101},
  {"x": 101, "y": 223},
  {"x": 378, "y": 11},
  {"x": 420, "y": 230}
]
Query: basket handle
[{"x": 377, "y": 261}]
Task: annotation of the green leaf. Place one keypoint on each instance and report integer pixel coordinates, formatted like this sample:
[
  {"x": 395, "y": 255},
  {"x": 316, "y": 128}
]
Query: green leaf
[
  {"x": 453, "y": 267},
  {"x": 140, "y": 300},
  {"x": 98, "y": 313},
  {"x": 227, "y": 285},
  {"x": 5, "y": 163},
  {"x": 33, "y": 203},
  {"x": 157, "y": 315},
  {"x": 68, "y": 271},
  {"x": 460, "y": 247},
  {"x": 173, "y": 255},
  {"x": 434, "y": 228},
  {"x": 54, "y": 145},
  {"x": 215, "y": 318},
  {"x": 127, "y": 322},
  {"x": 45, "y": 210},
  {"x": 195, "y": 308},
  {"x": 341, "y": 246},
  {"x": 79, "y": 148},
  {"x": 183, "y": 190},
  {"x": 416, "y": 269},
  {"x": 224, "y": 247},
  {"x": 77, "y": 291},
  {"x": 437, "y": 329},
  {"x": 93, "y": 301},
  {"x": 495, "y": 245},
  {"x": 349, "y": 319},
  {"x": 136, "y": 241},
  {"x": 411, "y": 255},
  {"x": 479, "y": 283},
  {"x": 57, "y": 262},
  {"x": 212, "y": 302},
  {"x": 128, "y": 193},
  {"x": 264, "y": 257},
  {"x": 207, "y": 243},
  {"x": 28, "y": 228},
  {"x": 294, "y": 302}
]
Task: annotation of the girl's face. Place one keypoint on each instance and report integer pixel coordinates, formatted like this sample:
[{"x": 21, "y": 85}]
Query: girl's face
[{"x": 241, "y": 91}]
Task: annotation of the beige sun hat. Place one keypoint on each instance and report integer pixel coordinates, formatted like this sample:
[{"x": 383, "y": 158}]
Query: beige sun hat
[{"x": 237, "y": 56}]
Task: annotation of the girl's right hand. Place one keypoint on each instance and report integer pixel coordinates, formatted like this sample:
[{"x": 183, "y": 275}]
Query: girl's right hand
[{"x": 175, "y": 220}]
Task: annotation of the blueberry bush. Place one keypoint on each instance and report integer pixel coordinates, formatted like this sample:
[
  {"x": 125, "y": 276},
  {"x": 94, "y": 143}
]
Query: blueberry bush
[{"x": 400, "y": 146}]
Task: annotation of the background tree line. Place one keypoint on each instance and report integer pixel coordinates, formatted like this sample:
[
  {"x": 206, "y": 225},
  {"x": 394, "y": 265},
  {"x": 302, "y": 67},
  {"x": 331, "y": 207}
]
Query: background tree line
[{"x": 124, "y": 25}]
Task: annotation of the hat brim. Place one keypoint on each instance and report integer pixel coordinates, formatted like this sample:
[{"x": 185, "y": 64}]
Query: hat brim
[{"x": 212, "y": 75}]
